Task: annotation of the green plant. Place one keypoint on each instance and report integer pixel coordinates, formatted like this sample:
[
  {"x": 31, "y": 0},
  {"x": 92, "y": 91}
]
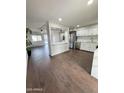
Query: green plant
[
  {"x": 28, "y": 42},
  {"x": 28, "y": 45}
]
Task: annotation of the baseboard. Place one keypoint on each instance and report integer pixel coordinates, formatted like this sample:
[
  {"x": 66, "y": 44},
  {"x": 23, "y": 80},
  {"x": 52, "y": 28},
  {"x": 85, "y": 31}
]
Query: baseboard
[{"x": 86, "y": 51}]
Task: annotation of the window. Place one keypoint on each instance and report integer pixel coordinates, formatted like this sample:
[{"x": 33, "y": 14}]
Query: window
[
  {"x": 45, "y": 38},
  {"x": 36, "y": 38}
]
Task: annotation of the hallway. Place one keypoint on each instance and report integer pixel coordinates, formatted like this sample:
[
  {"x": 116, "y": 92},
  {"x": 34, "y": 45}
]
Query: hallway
[{"x": 63, "y": 73}]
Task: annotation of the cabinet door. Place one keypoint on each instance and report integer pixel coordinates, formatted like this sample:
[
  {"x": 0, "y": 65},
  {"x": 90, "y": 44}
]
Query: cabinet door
[
  {"x": 86, "y": 32},
  {"x": 93, "y": 47},
  {"x": 82, "y": 46},
  {"x": 83, "y": 32},
  {"x": 79, "y": 33},
  {"x": 88, "y": 47},
  {"x": 93, "y": 31},
  {"x": 85, "y": 46},
  {"x": 89, "y": 31}
]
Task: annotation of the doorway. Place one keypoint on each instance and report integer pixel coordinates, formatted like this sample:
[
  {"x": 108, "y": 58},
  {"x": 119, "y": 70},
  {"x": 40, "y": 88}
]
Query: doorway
[{"x": 45, "y": 39}]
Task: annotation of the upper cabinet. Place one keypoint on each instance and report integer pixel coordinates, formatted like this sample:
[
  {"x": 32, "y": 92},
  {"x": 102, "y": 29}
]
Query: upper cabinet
[
  {"x": 82, "y": 32},
  {"x": 86, "y": 31},
  {"x": 93, "y": 31}
]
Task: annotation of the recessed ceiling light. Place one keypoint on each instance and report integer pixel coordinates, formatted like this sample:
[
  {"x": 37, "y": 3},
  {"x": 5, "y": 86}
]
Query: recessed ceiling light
[
  {"x": 90, "y": 2},
  {"x": 60, "y": 19},
  {"x": 78, "y": 25}
]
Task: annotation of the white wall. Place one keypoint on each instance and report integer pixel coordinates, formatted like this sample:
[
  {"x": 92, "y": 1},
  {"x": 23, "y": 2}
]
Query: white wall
[
  {"x": 55, "y": 36},
  {"x": 94, "y": 71}
]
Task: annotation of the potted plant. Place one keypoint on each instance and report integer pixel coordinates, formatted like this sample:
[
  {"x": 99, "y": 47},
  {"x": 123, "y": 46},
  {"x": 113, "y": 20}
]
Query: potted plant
[
  {"x": 28, "y": 42},
  {"x": 28, "y": 47}
]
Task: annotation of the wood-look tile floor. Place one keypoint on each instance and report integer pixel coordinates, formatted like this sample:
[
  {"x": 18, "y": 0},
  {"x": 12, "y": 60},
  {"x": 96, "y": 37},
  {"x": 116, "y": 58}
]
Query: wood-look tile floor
[{"x": 64, "y": 73}]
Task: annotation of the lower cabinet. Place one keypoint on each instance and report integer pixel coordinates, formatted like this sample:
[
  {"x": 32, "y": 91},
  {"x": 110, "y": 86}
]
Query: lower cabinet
[
  {"x": 88, "y": 46},
  {"x": 93, "y": 47}
]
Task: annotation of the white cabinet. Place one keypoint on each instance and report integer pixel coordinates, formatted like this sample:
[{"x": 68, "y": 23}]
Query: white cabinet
[
  {"x": 93, "y": 31},
  {"x": 88, "y": 36},
  {"x": 93, "y": 47},
  {"x": 82, "y": 32},
  {"x": 87, "y": 32},
  {"x": 85, "y": 46},
  {"x": 88, "y": 46}
]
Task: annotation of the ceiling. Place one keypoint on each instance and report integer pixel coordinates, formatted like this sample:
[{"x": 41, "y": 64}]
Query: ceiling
[{"x": 72, "y": 12}]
